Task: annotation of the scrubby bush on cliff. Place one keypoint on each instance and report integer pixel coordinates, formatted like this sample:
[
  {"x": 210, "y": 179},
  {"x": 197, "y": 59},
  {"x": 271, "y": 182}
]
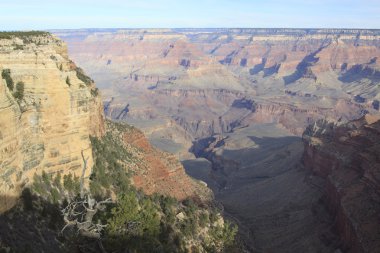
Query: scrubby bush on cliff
[
  {"x": 22, "y": 34},
  {"x": 95, "y": 92},
  {"x": 83, "y": 77},
  {"x": 19, "y": 93},
  {"x": 50, "y": 187},
  {"x": 18, "y": 47},
  {"x": 6, "y": 75}
]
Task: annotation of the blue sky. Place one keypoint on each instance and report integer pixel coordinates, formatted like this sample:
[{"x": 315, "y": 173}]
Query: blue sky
[{"x": 50, "y": 14}]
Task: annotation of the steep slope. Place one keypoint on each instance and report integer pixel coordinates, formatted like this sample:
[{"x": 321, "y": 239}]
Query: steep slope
[
  {"x": 156, "y": 171},
  {"x": 347, "y": 158},
  {"x": 47, "y": 112}
]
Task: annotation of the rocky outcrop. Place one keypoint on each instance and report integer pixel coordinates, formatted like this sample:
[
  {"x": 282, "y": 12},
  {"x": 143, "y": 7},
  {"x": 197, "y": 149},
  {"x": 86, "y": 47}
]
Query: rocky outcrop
[
  {"x": 347, "y": 157},
  {"x": 155, "y": 171},
  {"x": 49, "y": 124}
]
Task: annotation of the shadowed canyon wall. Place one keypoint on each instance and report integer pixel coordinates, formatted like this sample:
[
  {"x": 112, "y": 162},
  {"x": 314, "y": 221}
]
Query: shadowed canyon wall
[{"x": 347, "y": 157}]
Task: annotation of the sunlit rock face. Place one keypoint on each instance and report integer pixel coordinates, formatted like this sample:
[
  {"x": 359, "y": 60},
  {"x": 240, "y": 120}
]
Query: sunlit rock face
[{"x": 49, "y": 127}]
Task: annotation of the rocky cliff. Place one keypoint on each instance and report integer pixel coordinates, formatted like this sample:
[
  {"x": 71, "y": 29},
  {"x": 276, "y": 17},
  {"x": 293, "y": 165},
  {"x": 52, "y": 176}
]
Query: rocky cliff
[
  {"x": 49, "y": 108},
  {"x": 346, "y": 156}
]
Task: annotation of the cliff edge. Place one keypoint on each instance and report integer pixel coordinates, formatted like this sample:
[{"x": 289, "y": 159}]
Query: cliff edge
[{"x": 48, "y": 108}]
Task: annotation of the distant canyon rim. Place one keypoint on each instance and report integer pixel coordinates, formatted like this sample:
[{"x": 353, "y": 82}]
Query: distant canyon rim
[{"x": 233, "y": 104}]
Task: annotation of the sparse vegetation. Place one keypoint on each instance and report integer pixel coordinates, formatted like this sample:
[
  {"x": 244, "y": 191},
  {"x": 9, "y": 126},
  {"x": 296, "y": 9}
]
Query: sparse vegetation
[
  {"x": 134, "y": 221},
  {"x": 18, "y": 47},
  {"x": 95, "y": 92},
  {"x": 6, "y": 74},
  {"x": 24, "y": 34},
  {"x": 19, "y": 93},
  {"x": 50, "y": 187},
  {"x": 83, "y": 77}
]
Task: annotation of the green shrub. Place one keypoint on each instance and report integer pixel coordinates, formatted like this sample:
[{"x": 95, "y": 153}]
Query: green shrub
[
  {"x": 6, "y": 74},
  {"x": 95, "y": 92},
  {"x": 203, "y": 219},
  {"x": 83, "y": 77},
  {"x": 57, "y": 180},
  {"x": 19, "y": 94},
  {"x": 71, "y": 184},
  {"x": 18, "y": 47},
  {"x": 9, "y": 35},
  {"x": 125, "y": 216}
]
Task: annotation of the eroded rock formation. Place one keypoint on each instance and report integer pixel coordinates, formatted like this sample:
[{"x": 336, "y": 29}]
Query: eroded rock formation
[{"x": 157, "y": 78}]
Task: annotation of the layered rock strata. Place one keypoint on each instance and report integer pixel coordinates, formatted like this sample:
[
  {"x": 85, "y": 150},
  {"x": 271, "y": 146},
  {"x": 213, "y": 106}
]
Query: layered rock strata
[
  {"x": 347, "y": 158},
  {"x": 48, "y": 126},
  {"x": 157, "y": 78}
]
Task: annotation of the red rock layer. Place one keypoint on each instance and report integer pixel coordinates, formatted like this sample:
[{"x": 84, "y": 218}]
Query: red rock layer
[{"x": 161, "y": 172}]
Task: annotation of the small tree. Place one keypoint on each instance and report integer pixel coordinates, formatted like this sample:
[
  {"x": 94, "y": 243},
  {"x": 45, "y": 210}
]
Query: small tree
[
  {"x": 6, "y": 74},
  {"x": 19, "y": 94},
  {"x": 125, "y": 216}
]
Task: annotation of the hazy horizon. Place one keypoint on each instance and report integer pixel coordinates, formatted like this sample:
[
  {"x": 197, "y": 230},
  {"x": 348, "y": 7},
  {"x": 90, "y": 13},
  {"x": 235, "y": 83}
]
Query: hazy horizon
[{"x": 85, "y": 14}]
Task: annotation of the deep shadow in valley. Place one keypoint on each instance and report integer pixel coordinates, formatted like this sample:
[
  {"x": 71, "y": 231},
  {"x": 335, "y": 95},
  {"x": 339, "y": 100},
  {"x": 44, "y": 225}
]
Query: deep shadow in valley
[
  {"x": 32, "y": 225},
  {"x": 266, "y": 188}
]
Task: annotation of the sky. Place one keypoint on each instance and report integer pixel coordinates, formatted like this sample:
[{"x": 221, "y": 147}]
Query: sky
[{"x": 63, "y": 14}]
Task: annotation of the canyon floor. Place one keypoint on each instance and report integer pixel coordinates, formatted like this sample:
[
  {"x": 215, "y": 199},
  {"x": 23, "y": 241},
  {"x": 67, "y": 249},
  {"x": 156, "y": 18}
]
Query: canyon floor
[{"x": 276, "y": 202}]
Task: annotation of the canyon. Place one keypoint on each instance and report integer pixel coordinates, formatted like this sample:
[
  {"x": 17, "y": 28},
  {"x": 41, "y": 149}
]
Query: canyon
[
  {"x": 234, "y": 104},
  {"x": 48, "y": 128},
  {"x": 57, "y": 149}
]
